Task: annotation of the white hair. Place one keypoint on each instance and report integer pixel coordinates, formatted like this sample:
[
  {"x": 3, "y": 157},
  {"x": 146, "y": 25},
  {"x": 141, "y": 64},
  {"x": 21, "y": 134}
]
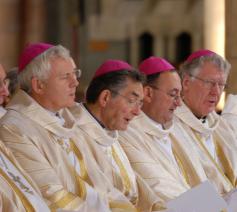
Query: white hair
[{"x": 40, "y": 66}]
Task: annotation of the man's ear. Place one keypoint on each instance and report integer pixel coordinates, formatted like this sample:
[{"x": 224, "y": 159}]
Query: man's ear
[
  {"x": 148, "y": 93},
  {"x": 37, "y": 85},
  {"x": 104, "y": 97},
  {"x": 186, "y": 82}
]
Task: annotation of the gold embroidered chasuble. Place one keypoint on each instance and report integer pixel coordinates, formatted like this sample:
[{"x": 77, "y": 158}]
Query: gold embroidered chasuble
[
  {"x": 142, "y": 144},
  {"x": 103, "y": 145},
  {"x": 190, "y": 131},
  {"x": 36, "y": 139},
  {"x": 18, "y": 193}
]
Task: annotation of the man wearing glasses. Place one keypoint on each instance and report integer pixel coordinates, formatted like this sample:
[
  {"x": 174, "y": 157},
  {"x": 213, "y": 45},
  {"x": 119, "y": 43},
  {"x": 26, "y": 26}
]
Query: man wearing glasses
[
  {"x": 204, "y": 75},
  {"x": 114, "y": 97},
  {"x": 147, "y": 142},
  {"x": 41, "y": 132}
]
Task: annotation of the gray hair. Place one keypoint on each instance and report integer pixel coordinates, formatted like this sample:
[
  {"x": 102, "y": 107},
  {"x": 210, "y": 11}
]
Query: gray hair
[
  {"x": 193, "y": 68},
  {"x": 40, "y": 66},
  {"x": 12, "y": 75}
]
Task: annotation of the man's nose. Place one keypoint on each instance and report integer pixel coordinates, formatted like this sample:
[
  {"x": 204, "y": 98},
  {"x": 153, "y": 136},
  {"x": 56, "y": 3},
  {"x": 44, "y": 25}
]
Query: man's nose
[
  {"x": 136, "y": 110},
  {"x": 178, "y": 101},
  {"x": 215, "y": 89},
  {"x": 75, "y": 81}
]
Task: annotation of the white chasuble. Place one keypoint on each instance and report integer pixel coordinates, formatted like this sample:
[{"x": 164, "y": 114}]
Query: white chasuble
[
  {"x": 21, "y": 192},
  {"x": 34, "y": 137},
  {"x": 113, "y": 161},
  {"x": 152, "y": 154},
  {"x": 217, "y": 156}
]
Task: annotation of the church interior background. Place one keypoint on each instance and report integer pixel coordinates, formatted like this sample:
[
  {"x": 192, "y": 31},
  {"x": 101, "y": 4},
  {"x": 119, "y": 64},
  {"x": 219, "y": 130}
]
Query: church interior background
[{"x": 131, "y": 30}]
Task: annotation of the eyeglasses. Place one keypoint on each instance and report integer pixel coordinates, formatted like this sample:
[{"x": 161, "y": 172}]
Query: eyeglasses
[
  {"x": 76, "y": 73},
  {"x": 133, "y": 102},
  {"x": 172, "y": 94},
  {"x": 210, "y": 83},
  {"x": 4, "y": 83}
]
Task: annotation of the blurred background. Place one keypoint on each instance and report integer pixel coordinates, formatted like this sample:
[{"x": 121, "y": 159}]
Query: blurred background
[{"x": 131, "y": 30}]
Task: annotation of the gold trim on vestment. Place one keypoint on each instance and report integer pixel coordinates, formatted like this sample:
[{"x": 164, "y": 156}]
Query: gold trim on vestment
[
  {"x": 225, "y": 163},
  {"x": 125, "y": 179},
  {"x": 121, "y": 205},
  {"x": 27, "y": 205},
  {"x": 10, "y": 159},
  {"x": 157, "y": 207},
  {"x": 181, "y": 166},
  {"x": 62, "y": 198},
  {"x": 188, "y": 175},
  {"x": 211, "y": 158},
  {"x": 61, "y": 202},
  {"x": 84, "y": 175}
]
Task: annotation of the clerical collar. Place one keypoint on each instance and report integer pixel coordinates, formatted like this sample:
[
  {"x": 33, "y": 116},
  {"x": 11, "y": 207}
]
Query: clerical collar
[
  {"x": 100, "y": 123},
  {"x": 60, "y": 119},
  {"x": 203, "y": 120},
  {"x": 52, "y": 113}
]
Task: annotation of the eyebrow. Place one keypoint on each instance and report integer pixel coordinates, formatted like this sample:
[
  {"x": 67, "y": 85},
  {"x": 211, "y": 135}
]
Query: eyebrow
[{"x": 135, "y": 94}]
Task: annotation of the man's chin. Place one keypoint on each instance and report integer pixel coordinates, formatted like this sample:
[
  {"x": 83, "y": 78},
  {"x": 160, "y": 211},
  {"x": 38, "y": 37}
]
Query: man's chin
[
  {"x": 71, "y": 104},
  {"x": 210, "y": 110},
  {"x": 123, "y": 128}
]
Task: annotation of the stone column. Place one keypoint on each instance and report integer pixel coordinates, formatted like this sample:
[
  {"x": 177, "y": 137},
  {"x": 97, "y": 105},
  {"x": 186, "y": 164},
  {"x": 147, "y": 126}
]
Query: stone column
[
  {"x": 214, "y": 31},
  {"x": 214, "y": 25},
  {"x": 9, "y": 31},
  {"x": 32, "y": 21},
  {"x": 231, "y": 43}
]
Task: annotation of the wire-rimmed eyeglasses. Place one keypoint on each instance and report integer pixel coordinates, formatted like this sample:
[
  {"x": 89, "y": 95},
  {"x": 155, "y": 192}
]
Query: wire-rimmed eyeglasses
[
  {"x": 210, "y": 83},
  {"x": 76, "y": 73},
  {"x": 171, "y": 94},
  {"x": 132, "y": 101}
]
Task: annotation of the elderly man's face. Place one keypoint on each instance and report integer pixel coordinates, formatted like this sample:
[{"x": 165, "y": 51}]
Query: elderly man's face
[
  {"x": 3, "y": 85},
  {"x": 162, "y": 97},
  {"x": 59, "y": 89},
  {"x": 122, "y": 108},
  {"x": 202, "y": 93}
]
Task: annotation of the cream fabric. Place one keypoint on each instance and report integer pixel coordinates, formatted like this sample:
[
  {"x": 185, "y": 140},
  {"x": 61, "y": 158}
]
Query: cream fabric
[
  {"x": 101, "y": 141},
  {"x": 191, "y": 131},
  {"x": 12, "y": 179},
  {"x": 2, "y": 111},
  {"x": 142, "y": 144},
  {"x": 35, "y": 137},
  {"x": 229, "y": 113}
]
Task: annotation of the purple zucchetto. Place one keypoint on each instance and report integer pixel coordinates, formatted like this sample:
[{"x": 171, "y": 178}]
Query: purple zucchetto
[
  {"x": 154, "y": 65},
  {"x": 30, "y": 52},
  {"x": 112, "y": 66},
  {"x": 199, "y": 53}
]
